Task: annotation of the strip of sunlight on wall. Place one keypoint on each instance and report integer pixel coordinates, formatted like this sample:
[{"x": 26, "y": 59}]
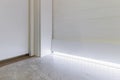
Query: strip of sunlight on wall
[{"x": 79, "y": 58}]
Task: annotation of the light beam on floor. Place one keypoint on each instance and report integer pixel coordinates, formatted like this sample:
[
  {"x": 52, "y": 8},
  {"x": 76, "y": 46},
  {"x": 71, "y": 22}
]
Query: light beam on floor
[{"x": 79, "y": 58}]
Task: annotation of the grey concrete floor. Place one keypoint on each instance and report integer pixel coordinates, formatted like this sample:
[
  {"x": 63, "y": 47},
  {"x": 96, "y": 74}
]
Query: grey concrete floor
[{"x": 55, "y": 67}]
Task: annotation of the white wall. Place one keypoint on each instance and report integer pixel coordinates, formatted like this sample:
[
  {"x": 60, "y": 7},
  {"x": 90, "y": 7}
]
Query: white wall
[
  {"x": 46, "y": 26},
  {"x": 13, "y": 28},
  {"x": 88, "y": 28}
]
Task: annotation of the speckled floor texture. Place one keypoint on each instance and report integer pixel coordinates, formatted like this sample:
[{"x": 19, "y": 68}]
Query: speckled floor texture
[{"x": 55, "y": 67}]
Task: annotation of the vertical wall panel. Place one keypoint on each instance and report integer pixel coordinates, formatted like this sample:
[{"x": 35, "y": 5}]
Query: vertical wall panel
[
  {"x": 88, "y": 28},
  {"x": 46, "y": 26},
  {"x": 13, "y": 28}
]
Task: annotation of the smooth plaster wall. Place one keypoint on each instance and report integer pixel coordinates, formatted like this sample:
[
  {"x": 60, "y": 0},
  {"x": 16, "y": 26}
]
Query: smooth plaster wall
[
  {"x": 46, "y": 26},
  {"x": 13, "y": 28},
  {"x": 88, "y": 28}
]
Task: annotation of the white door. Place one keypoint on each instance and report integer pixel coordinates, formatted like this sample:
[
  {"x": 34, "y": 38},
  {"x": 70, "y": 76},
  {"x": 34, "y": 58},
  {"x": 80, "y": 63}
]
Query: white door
[{"x": 13, "y": 28}]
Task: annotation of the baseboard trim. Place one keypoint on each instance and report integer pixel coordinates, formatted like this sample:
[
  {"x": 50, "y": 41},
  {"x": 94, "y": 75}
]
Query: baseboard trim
[{"x": 14, "y": 60}]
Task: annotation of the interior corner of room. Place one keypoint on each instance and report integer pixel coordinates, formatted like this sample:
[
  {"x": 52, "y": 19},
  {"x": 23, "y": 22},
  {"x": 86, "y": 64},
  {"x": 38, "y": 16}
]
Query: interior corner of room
[
  {"x": 76, "y": 27},
  {"x": 59, "y": 39}
]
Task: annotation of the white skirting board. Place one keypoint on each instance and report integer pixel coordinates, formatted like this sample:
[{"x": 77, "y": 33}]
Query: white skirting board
[{"x": 99, "y": 51}]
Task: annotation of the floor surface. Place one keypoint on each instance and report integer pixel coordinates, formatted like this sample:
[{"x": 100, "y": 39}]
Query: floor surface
[{"x": 55, "y": 67}]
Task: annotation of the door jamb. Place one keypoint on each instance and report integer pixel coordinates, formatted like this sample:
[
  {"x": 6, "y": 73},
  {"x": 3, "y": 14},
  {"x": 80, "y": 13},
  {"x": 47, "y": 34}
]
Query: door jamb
[{"x": 34, "y": 28}]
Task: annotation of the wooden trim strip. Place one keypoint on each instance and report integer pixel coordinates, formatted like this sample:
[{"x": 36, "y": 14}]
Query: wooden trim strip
[{"x": 14, "y": 60}]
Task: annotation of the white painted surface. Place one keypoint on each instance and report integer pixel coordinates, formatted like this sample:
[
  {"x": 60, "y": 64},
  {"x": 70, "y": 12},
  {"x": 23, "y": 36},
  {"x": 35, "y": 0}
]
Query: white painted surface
[
  {"x": 89, "y": 28},
  {"x": 32, "y": 27},
  {"x": 13, "y": 28},
  {"x": 46, "y": 26},
  {"x": 37, "y": 30},
  {"x": 99, "y": 51},
  {"x": 41, "y": 27}
]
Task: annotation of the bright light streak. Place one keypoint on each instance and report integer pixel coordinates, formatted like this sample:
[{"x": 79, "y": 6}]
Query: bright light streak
[{"x": 72, "y": 57}]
